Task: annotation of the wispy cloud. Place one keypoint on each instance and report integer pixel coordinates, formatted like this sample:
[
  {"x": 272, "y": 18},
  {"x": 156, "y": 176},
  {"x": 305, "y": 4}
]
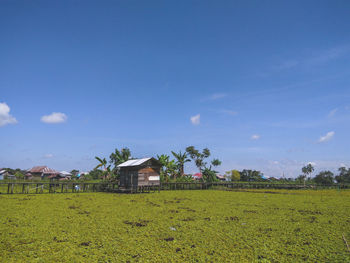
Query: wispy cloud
[
  {"x": 215, "y": 96},
  {"x": 318, "y": 58},
  {"x": 195, "y": 120},
  {"x": 327, "y": 55},
  {"x": 55, "y": 117},
  {"x": 5, "y": 116},
  {"x": 229, "y": 112},
  {"x": 48, "y": 155},
  {"x": 255, "y": 137},
  {"x": 327, "y": 137},
  {"x": 332, "y": 113},
  {"x": 287, "y": 65}
]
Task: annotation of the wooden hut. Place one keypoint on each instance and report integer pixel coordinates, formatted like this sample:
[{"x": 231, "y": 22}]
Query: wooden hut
[{"x": 139, "y": 172}]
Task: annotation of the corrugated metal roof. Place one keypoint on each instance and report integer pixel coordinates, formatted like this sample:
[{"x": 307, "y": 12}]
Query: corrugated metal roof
[
  {"x": 134, "y": 162},
  {"x": 65, "y": 173},
  {"x": 42, "y": 169}
]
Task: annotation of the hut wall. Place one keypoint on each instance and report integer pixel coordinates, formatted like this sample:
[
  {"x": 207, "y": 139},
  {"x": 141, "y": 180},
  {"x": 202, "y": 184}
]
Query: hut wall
[
  {"x": 128, "y": 177},
  {"x": 148, "y": 176}
]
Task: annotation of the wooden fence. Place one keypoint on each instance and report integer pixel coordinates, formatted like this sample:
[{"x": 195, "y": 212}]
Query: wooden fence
[{"x": 81, "y": 187}]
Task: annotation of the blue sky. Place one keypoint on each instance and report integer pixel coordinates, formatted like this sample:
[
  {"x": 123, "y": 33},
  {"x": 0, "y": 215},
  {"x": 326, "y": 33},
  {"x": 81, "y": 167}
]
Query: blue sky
[{"x": 263, "y": 84}]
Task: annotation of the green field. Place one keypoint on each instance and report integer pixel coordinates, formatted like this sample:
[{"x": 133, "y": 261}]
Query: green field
[{"x": 177, "y": 226}]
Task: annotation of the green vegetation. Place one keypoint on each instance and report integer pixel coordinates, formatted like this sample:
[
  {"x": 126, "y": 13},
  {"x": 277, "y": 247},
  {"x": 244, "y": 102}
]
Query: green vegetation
[{"x": 177, "y": 226}]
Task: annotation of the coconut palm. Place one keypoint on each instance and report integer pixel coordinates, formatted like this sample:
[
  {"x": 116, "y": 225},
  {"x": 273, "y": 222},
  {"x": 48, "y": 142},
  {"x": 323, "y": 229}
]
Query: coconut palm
[
  {"x": 103, "y": 164},
  {"x": 181, "y": 159}
]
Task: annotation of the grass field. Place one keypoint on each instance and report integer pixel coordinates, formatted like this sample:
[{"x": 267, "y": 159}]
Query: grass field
[{"x": 177, "y": 226}]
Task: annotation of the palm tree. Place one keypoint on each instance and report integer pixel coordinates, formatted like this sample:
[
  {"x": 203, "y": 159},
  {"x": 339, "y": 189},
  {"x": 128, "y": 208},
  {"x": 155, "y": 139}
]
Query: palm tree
[
  {"x": 103, "y": 163},
  {"x": 307, "y": 170},
  {"x": 181, "y": 159}
]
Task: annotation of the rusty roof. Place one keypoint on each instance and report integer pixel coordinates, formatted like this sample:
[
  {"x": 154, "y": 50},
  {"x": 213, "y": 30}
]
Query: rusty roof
[{"x": 42, "y": 169}]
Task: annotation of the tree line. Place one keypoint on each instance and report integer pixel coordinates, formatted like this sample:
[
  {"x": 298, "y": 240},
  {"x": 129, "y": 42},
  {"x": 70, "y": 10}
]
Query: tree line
[{"x": 322, "y": 178}]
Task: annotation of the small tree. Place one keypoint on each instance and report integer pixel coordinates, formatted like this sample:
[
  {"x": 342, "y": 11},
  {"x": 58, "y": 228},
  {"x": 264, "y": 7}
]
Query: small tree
[
  {"x": 234, "y": 175},
  {"x": 301, "y": 178},
  {"x": 19, "y": 175},
  {"x": 209, "y": 175}
]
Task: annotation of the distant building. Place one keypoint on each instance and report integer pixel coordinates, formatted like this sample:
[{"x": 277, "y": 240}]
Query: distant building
[
  {"x": 41, "y": 172},
  {"x": 139, "y": 172},
  {"x": 2, "y": 174},
  {"x": 64, "y": 175},
  {"x": 220, "y": 177},
  {"x": 197, "y": 176},
  {"x": 6, "y": 175}
]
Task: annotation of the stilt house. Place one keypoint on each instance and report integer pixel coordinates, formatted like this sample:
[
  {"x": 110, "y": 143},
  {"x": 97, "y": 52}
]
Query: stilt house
[{"x": 139, "y": 172}]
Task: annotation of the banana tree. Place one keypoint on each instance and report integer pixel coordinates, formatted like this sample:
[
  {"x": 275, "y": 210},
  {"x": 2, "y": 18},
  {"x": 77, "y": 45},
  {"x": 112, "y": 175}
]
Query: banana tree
[{"x": 181, "y": 159}]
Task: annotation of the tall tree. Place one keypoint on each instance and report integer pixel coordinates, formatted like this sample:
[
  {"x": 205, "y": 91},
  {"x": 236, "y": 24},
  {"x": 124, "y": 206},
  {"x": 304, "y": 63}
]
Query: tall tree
[
  {"x": 198, "y": 157},
  {"x": 307, "y": 170},
  {"x": 118, "y": 157},
  {"x": 181, "y": 159}
]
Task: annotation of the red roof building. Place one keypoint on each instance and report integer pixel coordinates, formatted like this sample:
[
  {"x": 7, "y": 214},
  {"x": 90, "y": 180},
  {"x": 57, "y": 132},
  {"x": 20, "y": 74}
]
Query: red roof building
[{"x": 197, "y": 176}]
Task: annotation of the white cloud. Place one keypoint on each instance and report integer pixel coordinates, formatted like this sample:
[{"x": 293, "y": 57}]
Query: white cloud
[
  {"x": 312, "y": 163},
  {"x": 55, "y": 117},
  {"x": 343, "y": 165},
  {"x": 5, "y": 116},
  {"x": 332, "y": 113},
  {"x": 255, "y": 137},
  {"x": 196, "y": 119},
  {"x": 327, "y": 137},
  {"x": 49, "y": 155}
]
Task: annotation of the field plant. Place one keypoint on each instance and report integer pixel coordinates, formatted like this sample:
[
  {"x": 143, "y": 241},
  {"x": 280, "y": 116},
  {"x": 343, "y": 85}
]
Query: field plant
[{"x": 177, "y": 226}]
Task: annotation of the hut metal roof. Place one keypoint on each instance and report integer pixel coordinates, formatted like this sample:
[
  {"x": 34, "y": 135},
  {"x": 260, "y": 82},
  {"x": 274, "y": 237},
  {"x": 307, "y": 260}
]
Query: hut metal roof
[{"x": 135, "y": 162}]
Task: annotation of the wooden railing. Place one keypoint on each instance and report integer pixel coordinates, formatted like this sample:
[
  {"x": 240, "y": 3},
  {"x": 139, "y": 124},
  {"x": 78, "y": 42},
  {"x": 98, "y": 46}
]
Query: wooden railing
[{"x": 81, "y": 187}]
